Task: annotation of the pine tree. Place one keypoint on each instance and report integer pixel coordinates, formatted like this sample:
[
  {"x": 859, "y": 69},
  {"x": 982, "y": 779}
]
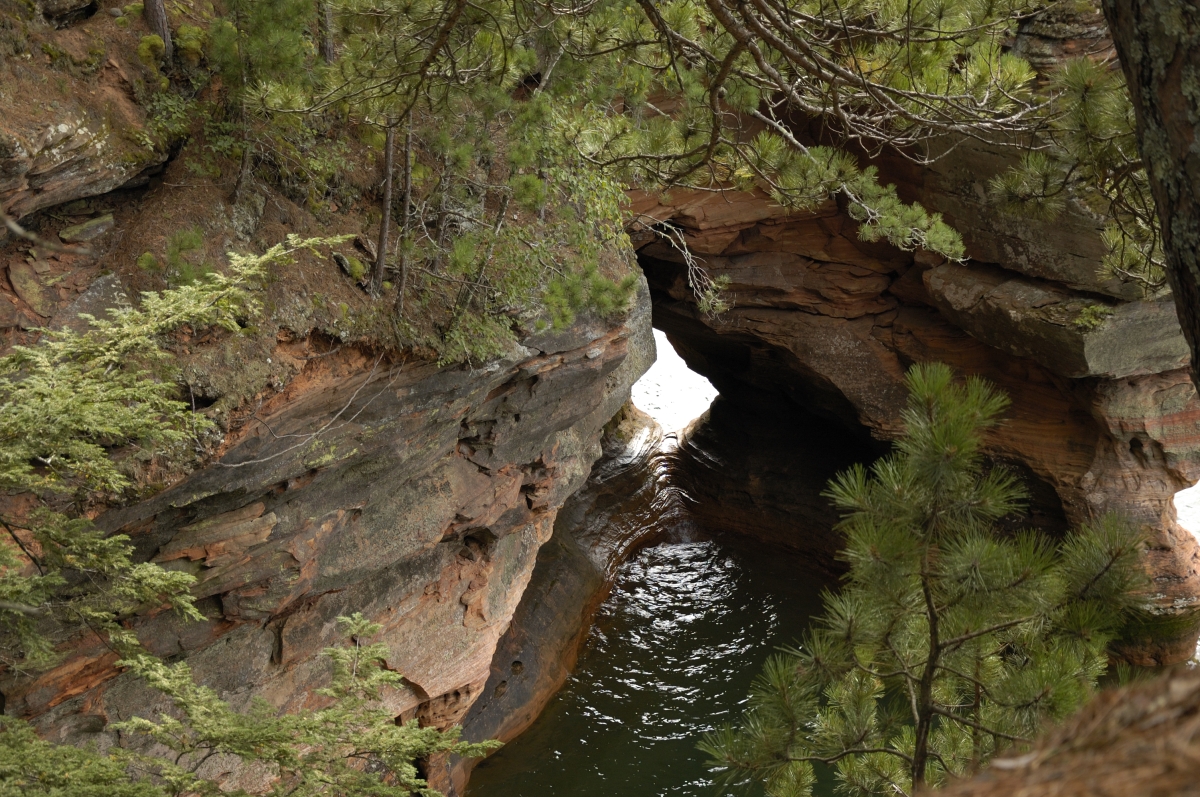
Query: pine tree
[
  {"x": 65, "y": 404},
  {"x": 351, "y": 748},
  {"x": 1156, "y": 43},
  {"x": 160, "y": 25},
  {"x": 1088, "y": 153},
  {"x": 254, "y": 42},
  {"x": 950, "y": 638}
]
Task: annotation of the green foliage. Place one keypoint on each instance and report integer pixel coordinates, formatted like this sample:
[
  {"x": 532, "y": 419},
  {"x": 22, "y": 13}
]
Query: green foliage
[
  {"x": 190, "y": 42},
  {"x": 148, "y": 262},
  {"x": 358, "y": 269},
  {"x": 170, "y": 117},
  {"x": 351, "y": 748},
  {"x": 260, "y": 41},
  {"x": 538, "y": 117},
  {"x": 30, "y": 766},
  {"x": 150, "y": 50},
  {"x": 1092, "y": 316},
  {"x": 182, "y": 247},
  {"x": 314, "y": 752},
  {"x": 1091, "y": 156},
  {"x": 65, "y": 404},
  {"x": 950, "y": 639}
]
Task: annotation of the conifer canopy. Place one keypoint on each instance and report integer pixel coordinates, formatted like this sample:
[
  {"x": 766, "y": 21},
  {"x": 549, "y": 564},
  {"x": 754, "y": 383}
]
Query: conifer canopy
[{"x": 951, "y": 637}]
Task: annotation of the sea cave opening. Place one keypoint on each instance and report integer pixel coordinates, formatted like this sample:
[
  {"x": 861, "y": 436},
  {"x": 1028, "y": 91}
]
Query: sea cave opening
[{"x": 736, "y": 547}]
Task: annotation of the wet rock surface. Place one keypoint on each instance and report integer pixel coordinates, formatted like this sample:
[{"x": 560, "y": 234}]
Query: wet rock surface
[
  {"x": 1103, "y": 416},
  {"x": 621, "y": 506},
  {"x": 422, "y": 502}
]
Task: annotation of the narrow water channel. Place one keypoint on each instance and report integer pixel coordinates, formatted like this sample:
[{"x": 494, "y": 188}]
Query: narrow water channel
[{"x": 671, "y": 654}]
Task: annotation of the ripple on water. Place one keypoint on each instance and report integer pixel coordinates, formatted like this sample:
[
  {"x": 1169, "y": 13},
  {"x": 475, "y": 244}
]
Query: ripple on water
[{"x": 672, "y": 654}]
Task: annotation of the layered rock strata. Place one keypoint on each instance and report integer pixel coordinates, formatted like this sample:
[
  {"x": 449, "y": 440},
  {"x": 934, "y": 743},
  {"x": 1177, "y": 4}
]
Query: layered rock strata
[
  {"x": 625, "y": 503},
  {"x": 1103, "y": 416},
  {"x": 418, "y": 495}
]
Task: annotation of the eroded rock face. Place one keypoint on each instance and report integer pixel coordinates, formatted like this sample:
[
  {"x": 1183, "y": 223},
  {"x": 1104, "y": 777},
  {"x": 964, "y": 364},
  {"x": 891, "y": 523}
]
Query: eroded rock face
[
  {"x": 89, "y": 144},
  {"x": 1136, "y": 740},
  {"x": 422, "y": 502},
  {"x": 1103, "y": 414},
  {"x": 619, "y": 508}
]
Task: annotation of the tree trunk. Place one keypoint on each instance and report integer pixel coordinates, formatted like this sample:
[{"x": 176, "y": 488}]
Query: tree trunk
[
  {"x": 155, "y": 12},
  {"x": 247, "y": 146},
  {"x": 407, "y": 211},
  {"x": 381, "y": 253},
  {"x": 925, "y": 690},
  {"x": 325, "y": 29},
  {"x": 1158, "y": 42}
]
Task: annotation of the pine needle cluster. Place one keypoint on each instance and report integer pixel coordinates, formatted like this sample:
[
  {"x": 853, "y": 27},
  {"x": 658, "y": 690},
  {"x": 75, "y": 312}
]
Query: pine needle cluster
[
  {"x": 552, "y": 109},
  {"x": 353, "y": 747},
  {"x": 950, "y": 638},
  {"x": 1089, "y": 154},
  {"x": 66, "y": 404}
]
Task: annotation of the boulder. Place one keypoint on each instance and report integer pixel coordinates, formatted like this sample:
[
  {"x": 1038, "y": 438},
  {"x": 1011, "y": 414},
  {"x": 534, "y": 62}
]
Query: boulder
[
  {"x": 25, "y": 282},
  {"x": 1071, "y": 334},
  {"x": 92, "y": 228},
  {"x": 104, "y": 294},
  {"x": 1140, "y": 739}
]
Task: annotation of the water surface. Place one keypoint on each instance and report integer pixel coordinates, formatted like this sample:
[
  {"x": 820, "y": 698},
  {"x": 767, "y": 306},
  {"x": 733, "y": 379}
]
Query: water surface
[{"x": 671, "y": 655}]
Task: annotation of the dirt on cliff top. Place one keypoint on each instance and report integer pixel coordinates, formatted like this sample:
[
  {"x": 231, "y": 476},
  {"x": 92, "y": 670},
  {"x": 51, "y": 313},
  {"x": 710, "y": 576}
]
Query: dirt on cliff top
[{"x": 1139, "y": 741}]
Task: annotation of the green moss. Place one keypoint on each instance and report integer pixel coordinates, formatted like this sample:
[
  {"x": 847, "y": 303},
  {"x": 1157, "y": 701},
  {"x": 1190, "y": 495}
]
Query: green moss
[
  {"x": 1092, "y": 316},
  {"x": 189, "y": 43},
  {"x": 150, "y": 50},
  {"x": 13, "y": 37},
  {"x": 358, "y": 269}
]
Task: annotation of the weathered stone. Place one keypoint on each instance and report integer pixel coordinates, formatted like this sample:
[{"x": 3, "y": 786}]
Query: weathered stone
[
  {"x": 424, "y": 508},
  {"x": 27, "y": 285},
  {"x": 104, "y": 294},
  {"x": 92, "y": 228},
  {"x": 595, "y": 529},
  {"x": 10, "y": 316},
  {"x": 1134, "y": 740},
  {"x": 1102, "y": 416},
  {"x": 1070, "y": 334},
  {"x": 62, "y": 8},
  {"x": 1066, "y": 249},
  {"x": 65, "y": 160}
]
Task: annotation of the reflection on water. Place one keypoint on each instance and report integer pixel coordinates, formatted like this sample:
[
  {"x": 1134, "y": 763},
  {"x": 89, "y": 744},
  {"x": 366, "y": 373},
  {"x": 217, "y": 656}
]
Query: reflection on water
[
  {"x": 674, "y": 648},
  {"x": 671, "y": 655},
  {"x": 669, "y": 392}
]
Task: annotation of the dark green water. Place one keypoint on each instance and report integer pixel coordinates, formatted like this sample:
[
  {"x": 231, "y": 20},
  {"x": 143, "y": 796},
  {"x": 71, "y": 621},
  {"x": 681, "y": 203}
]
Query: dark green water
[{"x": 671, "y": 655}]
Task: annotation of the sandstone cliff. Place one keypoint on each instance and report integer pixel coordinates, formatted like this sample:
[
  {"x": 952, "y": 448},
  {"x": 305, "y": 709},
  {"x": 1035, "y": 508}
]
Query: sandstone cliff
[
  {"x": 422, "y": 502},
  {"x": 1103, "y": 418},
  {"x": 344, "y": 475}
]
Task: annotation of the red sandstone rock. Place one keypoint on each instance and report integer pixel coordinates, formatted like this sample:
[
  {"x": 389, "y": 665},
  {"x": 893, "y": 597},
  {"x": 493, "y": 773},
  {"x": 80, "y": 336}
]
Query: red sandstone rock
[{"x": 1102, "y": 415}]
